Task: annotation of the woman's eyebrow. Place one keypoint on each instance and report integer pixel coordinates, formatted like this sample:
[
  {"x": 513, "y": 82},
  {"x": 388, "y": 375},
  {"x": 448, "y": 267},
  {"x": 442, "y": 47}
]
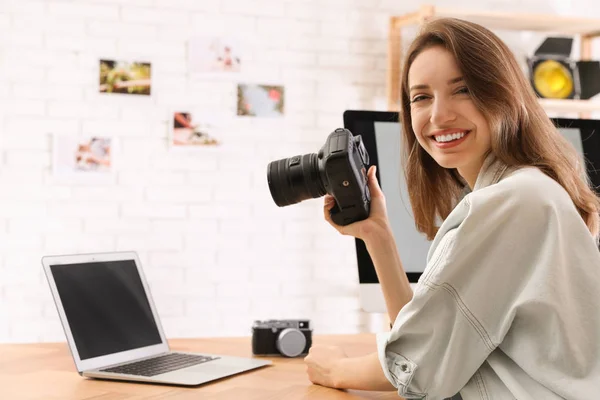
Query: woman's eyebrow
[
  {"x": 455, "y": 80},
  {"x": 450, "y": 82}
]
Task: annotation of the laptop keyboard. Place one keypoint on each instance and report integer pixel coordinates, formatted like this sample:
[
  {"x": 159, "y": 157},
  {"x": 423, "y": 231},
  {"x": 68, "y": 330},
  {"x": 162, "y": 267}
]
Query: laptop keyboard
[{"x": 160, "y": 365}]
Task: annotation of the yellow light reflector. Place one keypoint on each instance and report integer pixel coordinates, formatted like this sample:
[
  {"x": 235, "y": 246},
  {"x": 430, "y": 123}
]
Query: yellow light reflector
[{"x": 552, "y": 80}]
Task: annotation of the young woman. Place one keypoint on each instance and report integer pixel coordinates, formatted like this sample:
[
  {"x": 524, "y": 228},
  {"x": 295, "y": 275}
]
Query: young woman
[{"x": 509, "y": 303}]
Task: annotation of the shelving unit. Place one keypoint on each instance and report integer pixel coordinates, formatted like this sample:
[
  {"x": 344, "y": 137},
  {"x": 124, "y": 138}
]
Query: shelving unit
[{"x": 586, "y": 28}]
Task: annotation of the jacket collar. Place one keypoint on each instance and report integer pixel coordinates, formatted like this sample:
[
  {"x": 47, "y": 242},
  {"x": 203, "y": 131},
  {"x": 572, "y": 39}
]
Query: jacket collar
[{"x": 492, "y": 171}]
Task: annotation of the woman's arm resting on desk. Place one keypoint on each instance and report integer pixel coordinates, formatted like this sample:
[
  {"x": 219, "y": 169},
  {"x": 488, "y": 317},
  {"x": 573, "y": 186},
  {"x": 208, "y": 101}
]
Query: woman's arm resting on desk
[{"x": 329, "y": 366}]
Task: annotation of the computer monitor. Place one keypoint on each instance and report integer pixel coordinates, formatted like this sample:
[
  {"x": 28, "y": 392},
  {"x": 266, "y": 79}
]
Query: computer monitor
[{"x": 381, "y": 133}]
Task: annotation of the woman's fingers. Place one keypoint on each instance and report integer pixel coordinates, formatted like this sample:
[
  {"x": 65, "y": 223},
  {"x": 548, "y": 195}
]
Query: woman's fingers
[
  {"x": 373, "y": 183},
  {"x": 329, "y": 204},
  {"x": 329, "y": 200}
]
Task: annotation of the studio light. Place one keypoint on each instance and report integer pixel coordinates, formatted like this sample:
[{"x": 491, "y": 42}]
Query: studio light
[{"x": 555, "y": 75}]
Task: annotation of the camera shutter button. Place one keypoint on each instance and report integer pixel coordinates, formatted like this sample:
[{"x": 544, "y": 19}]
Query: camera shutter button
[{"x": 291, "y": 342}]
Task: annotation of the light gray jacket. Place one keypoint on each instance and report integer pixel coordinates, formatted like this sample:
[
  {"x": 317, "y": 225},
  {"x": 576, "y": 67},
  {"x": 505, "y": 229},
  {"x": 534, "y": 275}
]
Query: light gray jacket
[{"x": 509, "y": 304}]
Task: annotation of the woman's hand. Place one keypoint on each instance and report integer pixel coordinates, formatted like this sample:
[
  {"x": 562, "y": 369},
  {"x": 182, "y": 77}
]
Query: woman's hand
[
  {"x": 377, "y": 220},
  {"x": 322, "y": 365}
]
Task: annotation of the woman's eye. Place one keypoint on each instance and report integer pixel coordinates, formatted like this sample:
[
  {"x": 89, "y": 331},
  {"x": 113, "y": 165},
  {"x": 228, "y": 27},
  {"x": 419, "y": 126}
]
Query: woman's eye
[
  {"x": 418, "y": 98},
  {"x": 463, "y": 89}
]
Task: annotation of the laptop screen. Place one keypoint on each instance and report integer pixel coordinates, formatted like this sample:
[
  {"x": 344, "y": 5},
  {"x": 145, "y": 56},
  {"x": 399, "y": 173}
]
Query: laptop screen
[{"x": 106, "y": 306}]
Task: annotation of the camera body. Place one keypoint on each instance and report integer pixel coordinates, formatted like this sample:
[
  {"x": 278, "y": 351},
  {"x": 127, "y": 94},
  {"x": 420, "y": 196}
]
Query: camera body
[
  {"x": 345, "y": 159},
  {"x": 339, "y": 168},
  {"x": 289, "y": 338}
]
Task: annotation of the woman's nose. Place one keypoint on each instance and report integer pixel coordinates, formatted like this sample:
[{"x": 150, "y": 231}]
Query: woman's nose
[{"x": 442, "y": 112}]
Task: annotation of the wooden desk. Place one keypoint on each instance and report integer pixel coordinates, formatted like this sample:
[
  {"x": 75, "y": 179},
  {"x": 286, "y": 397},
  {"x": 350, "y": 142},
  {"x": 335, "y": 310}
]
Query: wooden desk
[{"x": 46, "y": 371}]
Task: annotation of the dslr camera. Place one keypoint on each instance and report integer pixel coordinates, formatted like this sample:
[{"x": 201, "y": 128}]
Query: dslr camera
[
  {"x": 290, "y": 337},
  {"x": 339, "y": 168}
]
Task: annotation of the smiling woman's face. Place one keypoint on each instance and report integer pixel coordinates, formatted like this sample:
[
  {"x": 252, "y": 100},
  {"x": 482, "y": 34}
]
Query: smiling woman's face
[{"x": 445, "y": 120}]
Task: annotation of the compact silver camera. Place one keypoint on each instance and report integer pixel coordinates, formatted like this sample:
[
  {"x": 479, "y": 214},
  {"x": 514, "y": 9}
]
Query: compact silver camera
[{"x": 290, "y": 337}]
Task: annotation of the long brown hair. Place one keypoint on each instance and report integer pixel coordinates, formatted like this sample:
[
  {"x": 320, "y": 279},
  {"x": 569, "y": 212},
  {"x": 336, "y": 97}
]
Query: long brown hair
[{"x": 522, "y": 133}]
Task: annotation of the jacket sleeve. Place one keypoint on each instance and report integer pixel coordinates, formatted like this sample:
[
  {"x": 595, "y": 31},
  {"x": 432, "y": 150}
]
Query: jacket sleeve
[{"x": 465, "y": 300}]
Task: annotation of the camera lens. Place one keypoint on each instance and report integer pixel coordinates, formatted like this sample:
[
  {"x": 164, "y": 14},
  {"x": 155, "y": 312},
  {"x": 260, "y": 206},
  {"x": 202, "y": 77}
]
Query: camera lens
[
  {"x": 291, "y": 342},
  {"x": 294, "y": 179}
]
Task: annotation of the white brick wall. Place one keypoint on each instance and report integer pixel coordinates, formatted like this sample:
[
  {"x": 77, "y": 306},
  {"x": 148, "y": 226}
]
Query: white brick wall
[{"x": 216, "y": 250}]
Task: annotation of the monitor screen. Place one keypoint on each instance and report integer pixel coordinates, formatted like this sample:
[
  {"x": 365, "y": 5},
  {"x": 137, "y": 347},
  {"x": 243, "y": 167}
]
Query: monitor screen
[
  {"x": 381, "y": 132},
  {"x": 584, "y": 135},
  {"x": 412, "y": 245},
  {"x": 106, "y": 307}
]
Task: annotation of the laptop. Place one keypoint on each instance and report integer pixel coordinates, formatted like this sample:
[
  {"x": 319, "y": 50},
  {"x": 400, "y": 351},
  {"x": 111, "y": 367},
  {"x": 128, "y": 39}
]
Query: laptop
[{"x": 113, "y": 329}]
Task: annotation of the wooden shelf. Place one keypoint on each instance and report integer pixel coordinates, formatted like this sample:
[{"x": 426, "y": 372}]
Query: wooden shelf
[
  {"x": 509, "y": 21},
  {"x": 587, "y": 28},
  {"x": 578, "y": 106}
]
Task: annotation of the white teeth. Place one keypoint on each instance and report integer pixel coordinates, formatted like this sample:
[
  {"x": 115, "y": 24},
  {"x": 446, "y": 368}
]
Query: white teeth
[{"x": 449, "y": 138}]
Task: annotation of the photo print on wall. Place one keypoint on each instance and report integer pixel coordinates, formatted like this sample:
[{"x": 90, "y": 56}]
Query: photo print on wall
[
  {"x": 80, "y": 157},
  {"x": 189, "y": 131},
  {"x": 260, "y": 100},
  {"x": 125, "y": 77},
  {"x": 214, "y": 55}
]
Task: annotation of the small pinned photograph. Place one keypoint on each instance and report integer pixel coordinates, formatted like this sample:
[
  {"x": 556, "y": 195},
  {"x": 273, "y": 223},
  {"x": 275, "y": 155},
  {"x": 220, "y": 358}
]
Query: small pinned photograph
[
  {"x": 214, "y": 55},
  {"x": 260, "y": 100},
  {"x": 187, "y": 131},
  {"x": 125, "y": 77},
  {"x": 75, "y": 156}
]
